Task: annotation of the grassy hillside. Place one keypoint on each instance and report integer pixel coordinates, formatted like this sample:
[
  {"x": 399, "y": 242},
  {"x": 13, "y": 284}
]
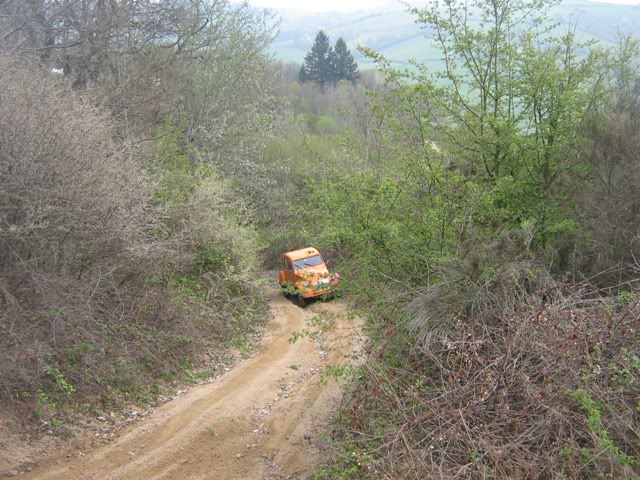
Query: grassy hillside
[{"x": 393, "y": 32}]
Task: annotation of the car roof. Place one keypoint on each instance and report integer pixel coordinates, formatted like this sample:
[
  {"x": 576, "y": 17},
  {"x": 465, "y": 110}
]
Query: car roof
[{"x": 302, "y": 253}]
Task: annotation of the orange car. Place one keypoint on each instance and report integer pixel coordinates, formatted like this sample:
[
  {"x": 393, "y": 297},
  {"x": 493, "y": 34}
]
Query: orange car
[{"x": 305, "y": 275}]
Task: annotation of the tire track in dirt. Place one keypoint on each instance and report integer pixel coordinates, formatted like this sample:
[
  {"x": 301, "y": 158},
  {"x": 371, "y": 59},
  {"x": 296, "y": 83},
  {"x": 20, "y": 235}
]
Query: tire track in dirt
[{"x": 261, "y": 420}]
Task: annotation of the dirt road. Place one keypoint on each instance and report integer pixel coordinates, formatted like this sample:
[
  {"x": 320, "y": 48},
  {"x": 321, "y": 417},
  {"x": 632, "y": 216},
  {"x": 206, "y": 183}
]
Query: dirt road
[{"x": 261, "y": 420}]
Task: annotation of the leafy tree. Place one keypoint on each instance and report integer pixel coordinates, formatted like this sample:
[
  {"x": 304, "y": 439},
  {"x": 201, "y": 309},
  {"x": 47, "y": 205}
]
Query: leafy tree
[
  {"x": 508, "y": 104},
  {"x": 318, "y": 64},
  {"x": 494, "y": 141},
  {"x": 89, "y": 38},
  {"x": 344, "y": 65},
  {"x": 134, "y": 53}
]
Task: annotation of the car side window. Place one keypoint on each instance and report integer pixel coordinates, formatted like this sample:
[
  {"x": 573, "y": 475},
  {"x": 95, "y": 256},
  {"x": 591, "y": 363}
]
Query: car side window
[{"x": 287, "y": 265}]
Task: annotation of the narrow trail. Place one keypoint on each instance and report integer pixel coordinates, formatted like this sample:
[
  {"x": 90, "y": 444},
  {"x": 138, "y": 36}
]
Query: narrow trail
[{"x": 261, "y": 420}]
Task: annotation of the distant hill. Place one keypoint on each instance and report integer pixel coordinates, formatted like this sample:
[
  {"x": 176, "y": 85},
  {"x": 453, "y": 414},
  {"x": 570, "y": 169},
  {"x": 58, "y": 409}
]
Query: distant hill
[{"x": 393, "y": 31}]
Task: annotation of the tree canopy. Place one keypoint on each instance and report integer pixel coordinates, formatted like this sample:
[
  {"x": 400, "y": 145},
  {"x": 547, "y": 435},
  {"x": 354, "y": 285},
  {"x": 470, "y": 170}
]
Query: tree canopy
[
  {"x": 317, "y": 62},
  {"x": 326, "y": 65},
  {"x": 344, "y": 65}
]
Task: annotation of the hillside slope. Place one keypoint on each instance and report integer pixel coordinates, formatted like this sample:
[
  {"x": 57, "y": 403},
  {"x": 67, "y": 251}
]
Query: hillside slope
[{"x": 393, "y": 31}]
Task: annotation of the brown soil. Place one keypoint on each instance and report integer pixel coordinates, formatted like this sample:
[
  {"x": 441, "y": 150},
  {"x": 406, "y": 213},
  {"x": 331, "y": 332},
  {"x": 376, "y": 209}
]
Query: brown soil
[{"x": 261, "y": 420}]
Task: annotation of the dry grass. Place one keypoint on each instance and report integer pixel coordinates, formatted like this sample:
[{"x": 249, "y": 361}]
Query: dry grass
[{"x": 540, "y": 383}]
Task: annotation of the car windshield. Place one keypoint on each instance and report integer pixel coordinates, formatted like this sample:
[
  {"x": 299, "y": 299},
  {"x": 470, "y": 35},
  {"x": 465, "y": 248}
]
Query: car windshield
[{"x": 307, "y": 262}]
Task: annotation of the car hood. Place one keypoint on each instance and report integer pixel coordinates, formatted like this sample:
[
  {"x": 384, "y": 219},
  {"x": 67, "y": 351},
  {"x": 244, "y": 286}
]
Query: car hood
[{"x": 314, "y": 273}]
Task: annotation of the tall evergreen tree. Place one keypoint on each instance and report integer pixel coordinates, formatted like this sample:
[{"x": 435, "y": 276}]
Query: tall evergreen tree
[
  {"x": 318, "y": 64},
  {"x": 333, "y": 61},
  {"x": 344, "y": 65},
  {"x": 302, "y": 75}
]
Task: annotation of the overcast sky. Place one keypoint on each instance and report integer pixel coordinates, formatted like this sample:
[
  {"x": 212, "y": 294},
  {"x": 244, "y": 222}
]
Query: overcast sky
[{"x": 346, "y": 5}]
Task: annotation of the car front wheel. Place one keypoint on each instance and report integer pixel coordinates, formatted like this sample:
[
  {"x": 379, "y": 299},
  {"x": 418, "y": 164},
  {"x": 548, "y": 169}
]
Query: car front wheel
[{"x": 300, "y": 301}]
